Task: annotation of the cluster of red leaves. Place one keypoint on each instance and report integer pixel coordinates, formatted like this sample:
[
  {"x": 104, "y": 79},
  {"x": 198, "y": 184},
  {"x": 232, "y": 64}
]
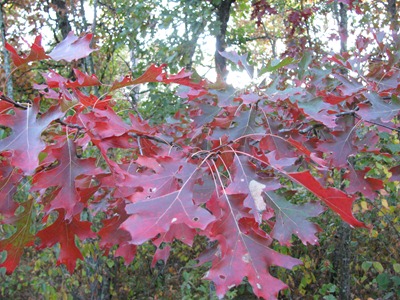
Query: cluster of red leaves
[{"x": 218, "y": 170}]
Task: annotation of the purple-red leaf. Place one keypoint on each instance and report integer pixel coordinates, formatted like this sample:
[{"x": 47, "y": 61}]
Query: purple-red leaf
[
  {"x": 64, "y": 176},
  {"x": 243, "y": 250},
  {"x": 157, "y": 214},
  {"x": 293, "y": 219},
  {"x": 25, "y": 140},
  {"x": 73, "y": 48}
]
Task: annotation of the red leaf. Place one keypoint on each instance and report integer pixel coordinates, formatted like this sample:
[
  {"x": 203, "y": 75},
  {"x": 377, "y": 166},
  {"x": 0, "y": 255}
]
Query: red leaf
[
  {"x": 104, "y": 123},
  {"x": 243, "y": 251},
  {"x": 343, "y": 143},
  {"x": 338, "y": 201},
  {"x": 360, "y": 183},
  {"x": 249, "y": 98},
  {"x": 64, "y": 176},
  {"x": 292, "y": 219},
  {"x": 73, "y": 48},
  {"x": 83, "y": 80},
  {"x": 64, "y": 232},
  {"x": 157, "y": 74},
  {"x": 37, "y": 53},
  {"x": 243, "y": 174},
  {"x": 152, "y": 74},
  {"x": 111, "y": 234},
  {"x": 25, "y": 140},
  {"x": 55, "y": 80},
  {"x": 331, "y": 98},
  {"x": 380, "y": 110},
  {"x": 158, "y": 213},
  {"x": 179, "y": 232},
  {"x": 395, "y": 173}
]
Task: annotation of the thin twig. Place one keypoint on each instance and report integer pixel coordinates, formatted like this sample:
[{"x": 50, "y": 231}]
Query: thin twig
[{"x": 16, "y": 104}]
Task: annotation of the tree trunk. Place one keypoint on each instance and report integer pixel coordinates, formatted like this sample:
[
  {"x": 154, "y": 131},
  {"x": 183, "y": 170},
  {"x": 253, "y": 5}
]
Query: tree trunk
[
  {"x": 223, "y": 13},
  {"x": 6, "y": 65},
  {"x": 64, "y": 26},
  {"x": 343, "y": 259},
  {"x": 392, "y": 9},
  {"x": 343, "y": 33},
  {"x": 343, "y": 250}
]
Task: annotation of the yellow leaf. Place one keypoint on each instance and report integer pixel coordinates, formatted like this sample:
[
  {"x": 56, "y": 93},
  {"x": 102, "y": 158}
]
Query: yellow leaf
[
  {"x": 364, "y": 206},
  {"x": 385, "y": 203}
]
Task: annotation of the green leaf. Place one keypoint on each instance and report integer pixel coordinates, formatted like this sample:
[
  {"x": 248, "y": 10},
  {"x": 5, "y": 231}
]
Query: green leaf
[
  {"x": 366, "y": 265},
  {"x": 304, "y": 63},
  {"x": 276, "y": 64},
  {"x": 396, "y": 268},
  {"x": 383, "y": 281},
  {"x": 378, "y": 266}
]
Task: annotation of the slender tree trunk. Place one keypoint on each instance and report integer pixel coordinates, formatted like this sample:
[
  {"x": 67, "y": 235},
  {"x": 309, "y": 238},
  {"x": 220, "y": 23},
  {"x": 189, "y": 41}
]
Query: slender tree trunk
[
  {"x": 343, "y": 251},
  {"x": 6, "y": 62},
  {"x": 62, "y": 16},
  {"x": 394, "y": 18},
  {"x": 343, "y": 32},
  {"x": 223, "y": 13}
]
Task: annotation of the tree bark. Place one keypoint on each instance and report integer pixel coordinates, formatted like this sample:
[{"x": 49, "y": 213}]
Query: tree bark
[
  {"x": 343, "y": 259},
  {"x": 223, "y": 13},
  {"x": 64, "y": 26},
  {"x": 343, "y": 250},
  {"x": 392, "y": 9},
  {"x": 343, "y": 33},
  {"x": 6, "y": 63}
]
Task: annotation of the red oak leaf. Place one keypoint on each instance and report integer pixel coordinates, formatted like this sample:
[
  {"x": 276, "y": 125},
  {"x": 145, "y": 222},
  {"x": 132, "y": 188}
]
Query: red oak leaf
[
  {"x": 292, "y": 219},
  {"x": 37, "y": 53},
  {"x": 157, "y": 74},
  {"x": 152, "y": 74},
  {"x": 243, "y": 250},
  {"x": 64, "y": 176},
  {"x": 156, "y": 214},
  {"x": 249, "y": 98},
  {"x": 331, "y": 98},
  {"x": 184, "y": 78},
  {"x": 338, "y": 201},
  {"x": 244, "y": 124},
  {"x": 83, "y": 79},
  {"x": 73, "y": 48},
  {"x": 25, "y": 140},
  {"x": 179, "y": 232},
  {"x": 111, "y": 234},
  {"x": 380, "y": 110},
  {"x": 343, "y": 143},
  {"x": 64, "y": 232},
  {"x": 104, "y": 123},
  {"x": 243, "y": 175},
  {"x": 55, "y": 80},
  {"x": 360, "y": 183}
]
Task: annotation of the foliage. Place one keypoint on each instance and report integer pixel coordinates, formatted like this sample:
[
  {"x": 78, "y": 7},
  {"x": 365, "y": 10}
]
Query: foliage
[{"x": 244, "y": 170}]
